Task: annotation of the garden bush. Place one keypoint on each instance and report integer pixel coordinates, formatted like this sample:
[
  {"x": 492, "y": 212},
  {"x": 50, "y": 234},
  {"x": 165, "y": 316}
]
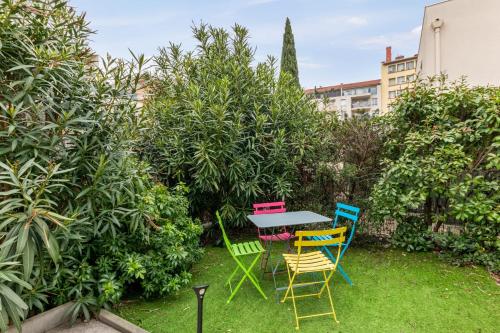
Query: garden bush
[
  {"x": 413, "y": 235},
  {"x": 441, "y": 164},
  {"x": 344, "y": 167},
  {"x": 81, "y": 217},
  {"x": 226, "y": 126}
]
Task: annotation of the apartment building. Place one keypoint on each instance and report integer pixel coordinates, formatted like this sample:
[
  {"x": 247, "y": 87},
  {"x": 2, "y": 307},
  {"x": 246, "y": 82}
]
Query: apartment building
[
  {"x": 396, "y": 75},
  {"x": 357, "y": 99},
  {"x": 461, "y": 38}
]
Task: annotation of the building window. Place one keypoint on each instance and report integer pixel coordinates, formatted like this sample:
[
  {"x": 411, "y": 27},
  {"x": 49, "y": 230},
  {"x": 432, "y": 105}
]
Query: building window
[
  {"x": 392, "y": 94},
  {"x": 374, "y": 101},
  {"x": 362, "y": 91},
  {"x": 392, "y": 82},
  {"x": 392, "y": 68},
  {"x": 401, "y": 67},
  {"x": 410, "y": 78},
  {"x": 410, "y": 65},
  {"x": 372, "y": 90},
  {"x": 401, "y": 79}
]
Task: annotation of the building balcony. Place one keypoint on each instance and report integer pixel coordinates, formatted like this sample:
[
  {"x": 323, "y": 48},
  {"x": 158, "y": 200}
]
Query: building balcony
[{"x": 361, "y": 105}]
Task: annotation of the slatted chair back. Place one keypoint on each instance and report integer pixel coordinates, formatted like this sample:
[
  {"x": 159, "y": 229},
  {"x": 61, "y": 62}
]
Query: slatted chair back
[
  {"x": 350, "y": 214},
  {"x": 306, "y": 238},
  {"x": 269, "y": 208}
]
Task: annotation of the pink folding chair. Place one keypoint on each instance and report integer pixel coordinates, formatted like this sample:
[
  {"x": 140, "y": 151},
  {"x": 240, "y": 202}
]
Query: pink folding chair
[
  {"x": 272, "y": 208},
  {"x": 284, "y": 236}
]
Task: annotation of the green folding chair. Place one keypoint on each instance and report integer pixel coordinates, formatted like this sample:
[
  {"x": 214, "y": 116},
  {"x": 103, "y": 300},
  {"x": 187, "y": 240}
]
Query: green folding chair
[{"x": 238, "y": 252}]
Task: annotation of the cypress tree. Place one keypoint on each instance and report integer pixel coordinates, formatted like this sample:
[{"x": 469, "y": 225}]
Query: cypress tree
[{"x": 288, "y": 54}]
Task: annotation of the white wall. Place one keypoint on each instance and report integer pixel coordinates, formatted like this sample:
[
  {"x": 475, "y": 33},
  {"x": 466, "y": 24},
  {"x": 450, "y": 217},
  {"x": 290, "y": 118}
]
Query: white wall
[{"x": 470, "y": 41}]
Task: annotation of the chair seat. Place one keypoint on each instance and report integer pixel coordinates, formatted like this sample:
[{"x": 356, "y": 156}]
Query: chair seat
[
  {"x": 243, "y": 249},
  {"x": 308, "y": 262},
  {"x": 285, "y": 236}
]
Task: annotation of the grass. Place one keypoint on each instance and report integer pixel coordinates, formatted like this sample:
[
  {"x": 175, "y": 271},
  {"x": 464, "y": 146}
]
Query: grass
[{"x": 393, "y": 291}]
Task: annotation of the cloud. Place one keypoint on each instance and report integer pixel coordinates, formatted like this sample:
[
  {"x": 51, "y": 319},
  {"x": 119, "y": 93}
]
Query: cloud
[
  {"x": 417, "y": 30},
  {"x": 356, "y": 20},
  {"x": 259, "y": 2},
  {"x": 132, "y": 21},
  {"x": 327, "y": 27},
  {"x": 399, "y": 39},
  {"x": 310, "y": 65}
]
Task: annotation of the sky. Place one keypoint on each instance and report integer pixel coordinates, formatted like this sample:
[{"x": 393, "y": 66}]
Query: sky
[{"x": 337, "y": 41}]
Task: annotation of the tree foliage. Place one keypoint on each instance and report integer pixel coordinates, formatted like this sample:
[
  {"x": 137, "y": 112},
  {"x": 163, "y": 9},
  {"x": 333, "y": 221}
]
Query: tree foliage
[
  {"x": 344, "y": 167},
  {"x": 225, "y": 126},
  {"x": 288, "y": 53},
  {"x": 75, "y": 221},
  {"x": 442, "y": 165}
]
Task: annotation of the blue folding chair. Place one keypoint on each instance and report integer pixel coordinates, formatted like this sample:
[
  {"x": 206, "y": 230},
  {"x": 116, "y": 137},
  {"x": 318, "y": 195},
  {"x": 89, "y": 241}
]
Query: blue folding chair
[{"x": 350, "y": 213}]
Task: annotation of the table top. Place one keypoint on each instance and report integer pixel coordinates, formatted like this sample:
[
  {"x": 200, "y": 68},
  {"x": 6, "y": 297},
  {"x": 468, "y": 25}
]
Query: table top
[{"x": 287, "y": 219}]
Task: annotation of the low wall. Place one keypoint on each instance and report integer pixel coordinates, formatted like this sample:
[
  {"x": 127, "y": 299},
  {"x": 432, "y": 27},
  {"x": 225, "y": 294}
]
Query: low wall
[
  {"x": 44, "y": 321},
  {"x": 55, "y": 317}
]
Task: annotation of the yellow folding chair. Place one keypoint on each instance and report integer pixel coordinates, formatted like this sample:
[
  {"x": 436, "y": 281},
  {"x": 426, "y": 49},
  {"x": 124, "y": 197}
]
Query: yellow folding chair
[{"x": 313, "y": 262}]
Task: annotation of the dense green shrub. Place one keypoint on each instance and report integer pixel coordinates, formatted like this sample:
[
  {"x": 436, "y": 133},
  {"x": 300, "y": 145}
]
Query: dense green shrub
[
  {"x": 80, "y": 218},
  {"x": 442, "y": 162},
  {"x": 413, "y": 235},
  {"x": 343, "y": 168},
  {"x": 226, "y": 126}
]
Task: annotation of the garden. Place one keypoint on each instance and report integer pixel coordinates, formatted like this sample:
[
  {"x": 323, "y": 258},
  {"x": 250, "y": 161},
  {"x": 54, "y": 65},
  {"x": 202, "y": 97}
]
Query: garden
[{"x": 108, "y": 204}]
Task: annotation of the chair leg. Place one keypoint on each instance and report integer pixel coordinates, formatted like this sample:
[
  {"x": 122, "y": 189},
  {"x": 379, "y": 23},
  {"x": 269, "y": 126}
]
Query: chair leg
[
  {"x": 265, "y": 258},
  {"x": 339, "y": 267},
  {"x": 253, "y": 279},
  {"x": 247, "y": 274},
  {"x": 344, "y": 274},
  {"x": 290, "y": 289},
  {"x": 327, "y": 283},
  {"x": 232, "y": 275},
  {"x": 289, "y": 284},
  {"x": 327, "y": 280}
]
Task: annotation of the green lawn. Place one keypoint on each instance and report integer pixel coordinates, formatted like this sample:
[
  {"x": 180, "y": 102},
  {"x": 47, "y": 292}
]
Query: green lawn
[{"x": 393, "y": 291}]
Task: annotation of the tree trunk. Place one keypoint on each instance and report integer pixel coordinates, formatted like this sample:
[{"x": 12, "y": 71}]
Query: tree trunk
[
  {"x": 437, "y": 226},
  {"x": 351, "y": 193}
]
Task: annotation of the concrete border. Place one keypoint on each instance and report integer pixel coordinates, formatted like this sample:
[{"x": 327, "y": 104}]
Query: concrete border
[
  {"x": 118, "y": 323},
  {"x": 56, "y": 317},
  {"x": 44, "y": 321}
]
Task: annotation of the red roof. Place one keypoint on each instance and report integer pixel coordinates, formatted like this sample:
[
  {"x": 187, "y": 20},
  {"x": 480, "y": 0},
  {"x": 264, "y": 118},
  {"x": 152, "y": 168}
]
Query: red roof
[{"x": 343, "y": 86}]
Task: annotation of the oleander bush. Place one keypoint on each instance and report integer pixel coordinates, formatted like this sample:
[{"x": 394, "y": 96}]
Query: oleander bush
[
  {"x": 80, "y": 216},
  {"x": 441, "y": 166},
  {"x": 226, "y": 126}
]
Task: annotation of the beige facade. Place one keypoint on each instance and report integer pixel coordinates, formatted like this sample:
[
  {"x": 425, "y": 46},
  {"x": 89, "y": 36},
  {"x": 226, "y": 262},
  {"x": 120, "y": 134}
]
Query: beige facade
[
  {"x": 461, "y": 38},
  {"x": 347, "y": 100},
  {"x": 396, "y": 76}
]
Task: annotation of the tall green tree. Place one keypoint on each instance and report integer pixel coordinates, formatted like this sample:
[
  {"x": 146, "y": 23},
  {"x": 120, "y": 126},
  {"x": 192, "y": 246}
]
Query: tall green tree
[
  {"x": 288, "y": 53},
  {"x": 225, "y": 127}
]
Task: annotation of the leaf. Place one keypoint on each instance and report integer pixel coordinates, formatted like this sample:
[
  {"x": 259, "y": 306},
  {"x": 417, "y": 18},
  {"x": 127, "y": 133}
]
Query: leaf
[
  {"x": 28, "y": 259},
  {"x": 23, "y": 67},
  {"x": 11, "y": 296},
  {"x": 22, "y": 238},
  {"x": 26, "y": 166}
]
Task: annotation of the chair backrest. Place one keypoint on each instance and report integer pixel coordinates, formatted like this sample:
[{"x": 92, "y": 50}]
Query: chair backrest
[
  {"x": 224, "y": 235},
  {"x": 269, "y": 208},
  {"x": 305, "y": 239},
  {"x": 349, "y": 213}
]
